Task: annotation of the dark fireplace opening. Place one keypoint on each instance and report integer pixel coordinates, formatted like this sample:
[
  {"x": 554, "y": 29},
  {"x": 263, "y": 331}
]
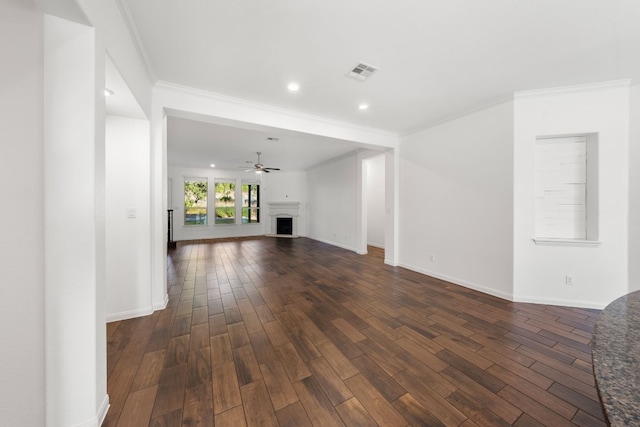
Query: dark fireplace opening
[{"x": 284, "y": 226}]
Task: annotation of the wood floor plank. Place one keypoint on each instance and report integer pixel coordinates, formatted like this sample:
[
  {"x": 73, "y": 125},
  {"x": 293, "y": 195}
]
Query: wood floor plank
[
  {"x": 152, "y": 362},
  {"x": 485, "y": 397},
  {"x": 293, "y": 363},
  {"x": 221, "y": 351},
  {"x": 319, "y": 409},
  {"x": 172, "y": 419},
  {"x": 475, "y": 411},
  {"x": 333, "y": 387},
  {"x": 532, "y": 408},
  {"x": 353, "y": 413},
  {"x": 171, "y": 389},
  {"x": 278, "y": 385},
  {"x": 384, "y": 382},
  {"x": 538, "y": 394},
  {"x": 294, "y": 415},
  {"x": 226, "y": 391},
  {"x": 137, "y": 409},
  {"x": 257, "y": 406},
  {"x": 246, "y": 365},
  {"x": 418, "y": 414},
  {"x": 231, "y": 417},
  {"x": 374, "y": 402}
]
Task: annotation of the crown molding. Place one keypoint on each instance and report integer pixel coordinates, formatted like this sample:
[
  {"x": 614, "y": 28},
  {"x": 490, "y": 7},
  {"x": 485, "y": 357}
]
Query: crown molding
[
  {"x": 574, "y": 88},
  {"x": 161, "y": 84},
  {"x": 129, "y": 23}
]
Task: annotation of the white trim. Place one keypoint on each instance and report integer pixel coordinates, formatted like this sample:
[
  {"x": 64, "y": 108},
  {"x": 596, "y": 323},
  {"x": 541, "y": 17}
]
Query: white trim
[
  {"x": 548, "y": 241},
  {"x": 560, "y": 302},
  {"x": 100, "y": 416},
  {"x": 375, "y": 245},
  {"x": 132, "y": 29},
  {"x": 456, "y": 281},
  {"x": 104, "y": 408},
  {"x": 163, "y": 305},
  {"x": 574, "y": 88},
  {"x": 349, "y": 248},
  {"x": 129, "y": 314},
  {"x": 162, "y": 84}
]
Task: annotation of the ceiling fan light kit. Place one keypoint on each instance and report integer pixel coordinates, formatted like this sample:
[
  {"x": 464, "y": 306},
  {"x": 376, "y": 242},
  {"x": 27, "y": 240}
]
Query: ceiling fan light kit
[{"x": 259, "y": 167}]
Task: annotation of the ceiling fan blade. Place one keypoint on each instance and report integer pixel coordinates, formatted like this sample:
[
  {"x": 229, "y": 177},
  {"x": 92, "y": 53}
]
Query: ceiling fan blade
[
  {"x": 271, "y": 169},
  {"x": 265, "y": 171},
  {"x": 249, "y": 170}
]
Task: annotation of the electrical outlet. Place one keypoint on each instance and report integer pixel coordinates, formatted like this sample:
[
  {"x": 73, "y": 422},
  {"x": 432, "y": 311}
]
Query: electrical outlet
[
  {"x": 432, "y": 258},
  {"x": 131, "y": 212},
  {"x": 568, "y": 280}
]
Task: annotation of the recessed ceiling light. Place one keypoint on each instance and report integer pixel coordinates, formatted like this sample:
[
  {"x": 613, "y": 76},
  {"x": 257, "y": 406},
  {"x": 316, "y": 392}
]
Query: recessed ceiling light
[
  {"x": 293, "y": 87},
  {"x": 108, "y": 92},
  {"x": 212, "y": 165},
  {"x": 363, "y": 106}
]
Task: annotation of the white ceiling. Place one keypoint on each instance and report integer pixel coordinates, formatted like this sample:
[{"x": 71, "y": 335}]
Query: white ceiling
[
  {"x": 199, "y": 143},
  {"x": 437, "y": 58}
]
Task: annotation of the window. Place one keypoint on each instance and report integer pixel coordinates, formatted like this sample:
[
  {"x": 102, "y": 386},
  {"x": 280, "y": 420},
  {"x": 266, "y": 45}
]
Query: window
[
  {"x": 195, "y": 201},
  {"x": 250, "y": 203},
  {"x": 566, "y": 187},
  {"x": 225, "y": 202}
]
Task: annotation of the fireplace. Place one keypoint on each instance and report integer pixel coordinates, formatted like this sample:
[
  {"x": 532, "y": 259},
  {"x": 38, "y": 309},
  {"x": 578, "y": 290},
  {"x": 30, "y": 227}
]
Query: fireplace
[
  {"x": 284, "y": 219},
  {"x": 284, "y": 226}
]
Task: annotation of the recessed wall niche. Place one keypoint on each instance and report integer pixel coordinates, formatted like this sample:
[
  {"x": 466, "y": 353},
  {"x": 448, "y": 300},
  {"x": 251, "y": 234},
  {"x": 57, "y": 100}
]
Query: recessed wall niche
[{"x": 566, "y": 187}]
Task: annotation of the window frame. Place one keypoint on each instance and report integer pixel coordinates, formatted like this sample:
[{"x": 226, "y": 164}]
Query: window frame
[
  {"x": 250, "y": 183},
  {"x": 217, "y": 206},
  {"x": 189, "y": 179}
]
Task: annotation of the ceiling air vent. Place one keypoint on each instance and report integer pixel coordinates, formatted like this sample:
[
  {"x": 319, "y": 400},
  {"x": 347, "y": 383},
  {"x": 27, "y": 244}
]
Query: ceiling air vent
[{"x": 362, "y": 71}]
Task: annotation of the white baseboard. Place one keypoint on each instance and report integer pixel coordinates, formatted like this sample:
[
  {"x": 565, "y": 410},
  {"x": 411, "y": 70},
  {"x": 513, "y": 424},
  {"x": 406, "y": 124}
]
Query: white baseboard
[
  {"x": 129, "y": 314},
  {"x": 100, "y": 416},
  {"x": 349, "y": 248},
  {"x": 163, "y": 304},
  {"x": 104, "y": 408},
  {"x": 375, "y": 245},
  {"x": 505, "y": 295},
  {"x": 461, "y": 282},
  {"x": 560, "y": 302}
]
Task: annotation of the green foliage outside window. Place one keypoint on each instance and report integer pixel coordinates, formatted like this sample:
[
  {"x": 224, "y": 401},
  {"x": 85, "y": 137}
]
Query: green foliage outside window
[
  {"x": 225, "y": 196},
  {"x": 195, "y": 202}
]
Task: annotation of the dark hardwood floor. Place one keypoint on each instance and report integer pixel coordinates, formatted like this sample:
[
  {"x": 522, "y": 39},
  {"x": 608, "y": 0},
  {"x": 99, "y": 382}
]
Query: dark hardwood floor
[{"x": 294, "y": 332}]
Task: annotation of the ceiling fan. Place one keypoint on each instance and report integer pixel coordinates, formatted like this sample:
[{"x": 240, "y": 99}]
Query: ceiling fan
[{"x": 259, "y": 167}]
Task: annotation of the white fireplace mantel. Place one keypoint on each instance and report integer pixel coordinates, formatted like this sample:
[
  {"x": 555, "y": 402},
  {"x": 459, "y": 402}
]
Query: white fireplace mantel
[{"x": 284, "y": 210}]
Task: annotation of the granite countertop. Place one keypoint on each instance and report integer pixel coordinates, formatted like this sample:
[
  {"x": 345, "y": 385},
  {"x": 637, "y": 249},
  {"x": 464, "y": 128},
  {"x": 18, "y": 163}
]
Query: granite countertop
[{"x": 616, "y": 360}]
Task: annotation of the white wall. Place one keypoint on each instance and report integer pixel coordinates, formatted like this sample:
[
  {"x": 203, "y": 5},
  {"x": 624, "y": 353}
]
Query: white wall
[
  {"x": 74, "y": 321},
  {"x": 286, "y": 187},
  {"x": 375, "y": 200},
  {"x": 128, "y": 240},
  {"x": 22, "y": 387},
  {"x": 599, "y": 273},
  {"x": 75, "y": 285},
  {"x": 634, "y": 190},
  {"x": 456, "y": 200},
  {"x": 332, "y": 202}
]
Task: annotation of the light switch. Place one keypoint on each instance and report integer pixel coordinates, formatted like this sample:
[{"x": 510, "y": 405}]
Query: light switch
[{"x": 131, "y": 212}]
